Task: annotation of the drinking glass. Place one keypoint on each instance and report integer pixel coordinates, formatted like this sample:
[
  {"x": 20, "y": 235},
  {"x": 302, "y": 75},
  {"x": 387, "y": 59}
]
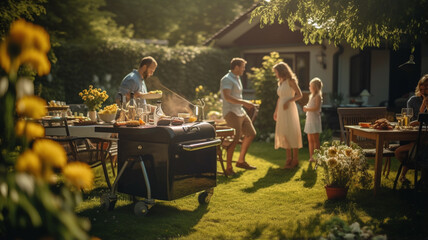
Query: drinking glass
[
  {"x": 399, "y": 118},
  {"x": 143, "y": 112}
]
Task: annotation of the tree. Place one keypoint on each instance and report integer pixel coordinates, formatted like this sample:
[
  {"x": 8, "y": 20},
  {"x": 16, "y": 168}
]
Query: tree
[
  {"x": 11, "y": 10},
  {"x": 187, "y": 22},
  {"x": 361, "y": 23}
]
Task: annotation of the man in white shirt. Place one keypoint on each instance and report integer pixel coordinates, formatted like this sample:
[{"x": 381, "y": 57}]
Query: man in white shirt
[{"x": 235, "y": 115}]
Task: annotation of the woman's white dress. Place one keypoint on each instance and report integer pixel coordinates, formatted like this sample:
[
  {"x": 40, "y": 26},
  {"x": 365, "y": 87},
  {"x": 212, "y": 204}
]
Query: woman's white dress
[
  {"x": 313, "y": 118},
  {"x": 287, "y": 131}
]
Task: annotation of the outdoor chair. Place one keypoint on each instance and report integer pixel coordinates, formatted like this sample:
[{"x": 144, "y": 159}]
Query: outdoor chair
[
  {"x": 63, "y": 135},
  {"x": 417, "y": 159},
  {"x": 354, "y": 115},
  {"x": 95, "y": 152}
]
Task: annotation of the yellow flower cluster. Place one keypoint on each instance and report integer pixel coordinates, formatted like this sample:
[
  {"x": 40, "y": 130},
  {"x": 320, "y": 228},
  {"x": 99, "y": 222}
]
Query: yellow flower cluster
[
  {"x": 199, "y": 88},
  {"x": 29, "y": 130},
  {"x": 93, "y": 97},
  {"x": 47, "y": 156},
  {"x": 31, "y": 107},
  {"x": 258, "y": 101},
  {"x": 110, "y": 109},
  {"x": 30, "y": 43}
]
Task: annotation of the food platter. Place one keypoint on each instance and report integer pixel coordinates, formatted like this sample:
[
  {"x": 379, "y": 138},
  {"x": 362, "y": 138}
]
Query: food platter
[
  {"x": 152, "y": 95},
  {"x": 57, "y": 108}
]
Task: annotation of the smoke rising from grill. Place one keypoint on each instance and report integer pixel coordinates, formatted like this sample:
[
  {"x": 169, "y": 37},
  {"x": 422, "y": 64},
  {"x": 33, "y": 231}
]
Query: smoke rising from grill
[{"x": 172, "y": 102}]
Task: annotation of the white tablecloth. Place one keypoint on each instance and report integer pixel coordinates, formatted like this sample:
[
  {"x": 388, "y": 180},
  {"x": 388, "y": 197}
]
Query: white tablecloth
[{"x": 77, "y": 131}]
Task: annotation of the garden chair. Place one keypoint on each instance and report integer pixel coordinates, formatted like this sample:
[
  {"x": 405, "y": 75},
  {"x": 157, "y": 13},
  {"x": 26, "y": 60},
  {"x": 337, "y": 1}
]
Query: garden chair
[
  {"x": 95, "y": 152},
  {"x": 418, "y": 156},
  {"x": 354, "y": 115},
  {"x": 63, "y": 135}
]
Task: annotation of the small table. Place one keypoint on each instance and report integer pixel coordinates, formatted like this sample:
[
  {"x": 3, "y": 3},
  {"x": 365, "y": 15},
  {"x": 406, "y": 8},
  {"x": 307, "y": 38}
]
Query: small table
[
  {"x": 225, "y": 134},
  {"x": 380, "y": 136}
]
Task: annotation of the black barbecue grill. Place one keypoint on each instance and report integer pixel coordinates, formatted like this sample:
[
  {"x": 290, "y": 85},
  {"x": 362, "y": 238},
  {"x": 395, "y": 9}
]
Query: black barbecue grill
[{"x": 164, "y": 162}]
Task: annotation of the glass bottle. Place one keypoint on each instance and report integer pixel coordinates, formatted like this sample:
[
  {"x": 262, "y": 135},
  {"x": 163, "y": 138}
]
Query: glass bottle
[
  {"x": 131, "y": 108},
  {"x": 158, "y": 112}
]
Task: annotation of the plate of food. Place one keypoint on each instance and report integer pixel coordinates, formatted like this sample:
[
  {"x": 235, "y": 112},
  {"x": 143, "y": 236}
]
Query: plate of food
[
  {"x": 364, "y": 124},
  {"x": 156, "y": 94}
]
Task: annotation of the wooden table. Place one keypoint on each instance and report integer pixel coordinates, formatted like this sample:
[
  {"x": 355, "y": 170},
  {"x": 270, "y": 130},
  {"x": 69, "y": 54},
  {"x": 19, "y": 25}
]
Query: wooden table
[
  {"x": 380, "y": 136},
  {"x": 225, "y": 134}
]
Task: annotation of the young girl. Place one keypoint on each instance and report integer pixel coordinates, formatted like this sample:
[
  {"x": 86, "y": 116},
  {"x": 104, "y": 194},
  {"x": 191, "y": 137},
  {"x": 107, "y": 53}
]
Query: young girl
[
  {"x": 313, "y": 116},
  {"x": 287, "y": 130}
]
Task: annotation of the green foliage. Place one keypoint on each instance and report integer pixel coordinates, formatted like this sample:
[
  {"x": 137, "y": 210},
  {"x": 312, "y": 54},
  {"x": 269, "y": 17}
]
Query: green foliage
[
  {"x": 212, "y": 100},
  {"x": 266, "y": 84},
  {"x": 13, "y": 10},
  {"x": 187, "y": 22},
  {"x": 105, "y": 65},
  {"x": 339, "y": 229},
  {"x": 361, "y": 23}
]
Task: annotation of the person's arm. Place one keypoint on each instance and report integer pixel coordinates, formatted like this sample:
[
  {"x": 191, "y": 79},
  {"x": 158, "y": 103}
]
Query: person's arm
[
  {"x": 231, "y": 99},
  {"x": 297, "y": 95},
  {"x": 316, "y": 108}
]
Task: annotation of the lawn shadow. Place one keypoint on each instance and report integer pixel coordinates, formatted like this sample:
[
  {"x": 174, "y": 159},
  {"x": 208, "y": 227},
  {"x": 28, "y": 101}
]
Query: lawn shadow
[
  {"x": 222, "y": 179},
  {"x": 127, "y": 225},
  {"x": 309, "y": 176},
  {"x": 402, "y": 214},
  {"x": 273, "y": 176}
]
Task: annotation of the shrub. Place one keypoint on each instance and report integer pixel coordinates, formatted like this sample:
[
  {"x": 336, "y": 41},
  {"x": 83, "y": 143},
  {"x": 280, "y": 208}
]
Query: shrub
[{"x": 179, "y": 68}]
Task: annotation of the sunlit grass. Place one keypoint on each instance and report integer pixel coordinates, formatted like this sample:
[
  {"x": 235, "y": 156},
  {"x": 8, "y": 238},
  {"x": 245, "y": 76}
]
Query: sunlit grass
[{"x": 267, "y": 203}]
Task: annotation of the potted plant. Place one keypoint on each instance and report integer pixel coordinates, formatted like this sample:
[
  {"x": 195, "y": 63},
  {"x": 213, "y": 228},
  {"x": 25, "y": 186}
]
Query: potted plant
[
  {"x": 93, "y": 99},
  {"x": 344, "y": 167}
]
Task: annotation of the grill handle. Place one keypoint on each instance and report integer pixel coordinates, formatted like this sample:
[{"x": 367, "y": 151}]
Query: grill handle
[{"x": 202, "y": 145}]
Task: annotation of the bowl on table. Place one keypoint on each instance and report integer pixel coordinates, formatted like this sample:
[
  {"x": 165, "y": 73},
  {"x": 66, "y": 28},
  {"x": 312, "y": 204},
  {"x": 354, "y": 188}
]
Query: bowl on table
[
  {"x": 107, "y": 117},
  {"x": 364, "y": 124}
]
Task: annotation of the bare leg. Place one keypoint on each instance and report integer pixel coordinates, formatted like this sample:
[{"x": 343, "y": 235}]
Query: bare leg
[
  {"x": 295, "y": 157},
  {"x": 230, "y": 151},
  {"x": 289, "y": 158},
  {"x": 246, "y": 142},
  {"x": 316, "y": 141}
]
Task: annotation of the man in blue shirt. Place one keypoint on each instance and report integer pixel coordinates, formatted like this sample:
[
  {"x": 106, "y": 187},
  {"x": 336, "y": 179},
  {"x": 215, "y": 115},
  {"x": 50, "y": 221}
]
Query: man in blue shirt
[
  {"x": 235, "y": 115},
  {"x": 134, "y": 81}
]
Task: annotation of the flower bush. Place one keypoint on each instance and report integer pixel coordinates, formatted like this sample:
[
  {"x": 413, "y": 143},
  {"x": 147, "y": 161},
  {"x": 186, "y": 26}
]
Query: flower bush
[
  {"x": 93, "y": 97},
  {"x": 213, "y": 102},
  {"x": 38, "y": 188},
  {"x": 344, "y": 166}
]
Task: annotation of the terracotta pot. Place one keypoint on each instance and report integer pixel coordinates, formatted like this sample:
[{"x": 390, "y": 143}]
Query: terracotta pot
[{"x": 336, "y": 192}]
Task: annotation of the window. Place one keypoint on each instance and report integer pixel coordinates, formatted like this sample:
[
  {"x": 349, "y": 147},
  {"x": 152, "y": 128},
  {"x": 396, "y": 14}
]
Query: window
[
  {"x": 299, "y": 63},
  {"x": 360, "y": 73}
]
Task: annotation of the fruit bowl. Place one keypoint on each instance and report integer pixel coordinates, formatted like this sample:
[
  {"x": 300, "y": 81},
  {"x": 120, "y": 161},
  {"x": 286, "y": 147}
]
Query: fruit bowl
[{"x": 107, "y": 117}]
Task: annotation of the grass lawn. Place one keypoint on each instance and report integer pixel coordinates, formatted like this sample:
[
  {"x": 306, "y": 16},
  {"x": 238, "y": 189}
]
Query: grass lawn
[{"x": 267, "y": 203}]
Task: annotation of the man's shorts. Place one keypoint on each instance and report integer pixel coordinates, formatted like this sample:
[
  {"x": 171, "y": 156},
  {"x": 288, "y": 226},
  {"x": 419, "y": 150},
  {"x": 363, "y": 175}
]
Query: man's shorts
[{"x": 242, "y": 125}]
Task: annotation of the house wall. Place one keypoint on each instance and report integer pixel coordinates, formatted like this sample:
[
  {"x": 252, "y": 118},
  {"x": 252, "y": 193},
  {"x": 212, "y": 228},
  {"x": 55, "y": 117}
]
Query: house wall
[{"x": 315, "y": 68}]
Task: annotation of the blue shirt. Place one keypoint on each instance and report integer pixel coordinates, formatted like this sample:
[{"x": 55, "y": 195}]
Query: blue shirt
[
  {"x": 415, "y": 102},
  {"x": 232, "y": 82},
  {"x": 133, "y": 82}
]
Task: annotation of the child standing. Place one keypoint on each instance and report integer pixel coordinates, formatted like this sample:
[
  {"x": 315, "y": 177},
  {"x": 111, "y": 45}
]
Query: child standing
[
  {"x": 287, "y": 130},
  {"x": 313, "y": 116}
]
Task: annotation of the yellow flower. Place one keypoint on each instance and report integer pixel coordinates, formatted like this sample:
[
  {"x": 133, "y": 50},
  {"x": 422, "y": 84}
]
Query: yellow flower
[
  {"x": 348, "y": 152},
  {"x": 29, "y": 162},
  {"x": 85, "y": 91},
  {"x": 4, "y": 57},
  {"x": 31, "y": 106},
  {"x": 91, "y": 97},
  {"x": 36, "y": 59},
  {"x": 79, "y": 175},
  {"x": 332, "y": 162},
  {"x": 90, "y": 86},
  {"x": 332, "y": 151},
  {"x": 80, "y": 94},
  {"x": 32, "y": 130},
  {"x": 197, "y": 89},
  {"x": 84, "y": 98},
  {"x": 50, "y": 152}
]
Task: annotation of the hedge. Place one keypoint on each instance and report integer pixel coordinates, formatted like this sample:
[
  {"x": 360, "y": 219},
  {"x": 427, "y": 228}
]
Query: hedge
[{"x": 180, "y": 68}]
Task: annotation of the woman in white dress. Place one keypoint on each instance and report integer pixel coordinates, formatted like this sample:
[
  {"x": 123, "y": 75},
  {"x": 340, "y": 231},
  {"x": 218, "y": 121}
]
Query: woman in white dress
[
  {"x": 313, "y": 116},
  {"x": 287, "y": 131}
]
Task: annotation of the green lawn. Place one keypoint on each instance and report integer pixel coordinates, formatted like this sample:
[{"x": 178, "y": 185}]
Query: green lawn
[{"x": 267, "y": 203}]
